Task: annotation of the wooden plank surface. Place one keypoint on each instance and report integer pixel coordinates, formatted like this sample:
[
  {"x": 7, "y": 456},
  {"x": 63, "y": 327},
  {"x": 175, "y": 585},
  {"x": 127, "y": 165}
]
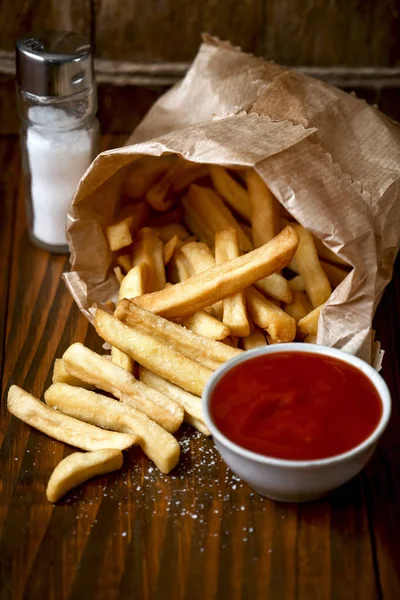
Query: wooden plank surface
[
  {"x": 197, "y": 534},
  {"x": 294, "y": 32},
  {"x": 22, "y": 17}
]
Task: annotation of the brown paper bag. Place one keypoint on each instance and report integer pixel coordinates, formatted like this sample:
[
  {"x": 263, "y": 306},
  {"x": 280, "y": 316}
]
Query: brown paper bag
[{"x": 329, "y": 158}]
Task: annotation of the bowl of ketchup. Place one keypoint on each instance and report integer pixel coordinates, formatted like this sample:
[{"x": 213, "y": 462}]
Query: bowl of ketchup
[{"x": 296, "y": 421}]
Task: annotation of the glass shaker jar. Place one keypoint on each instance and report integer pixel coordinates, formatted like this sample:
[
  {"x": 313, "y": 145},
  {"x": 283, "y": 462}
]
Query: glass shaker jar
[{"x": 57, "y": 103}]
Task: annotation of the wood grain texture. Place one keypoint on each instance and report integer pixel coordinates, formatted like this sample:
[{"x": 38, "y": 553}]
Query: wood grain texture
[
  {"x": 338, "y": 32},
  {"x": 158, "y": 30},
  {"x": 197, "y": 534},
  {"x": 21, "y": 17}
]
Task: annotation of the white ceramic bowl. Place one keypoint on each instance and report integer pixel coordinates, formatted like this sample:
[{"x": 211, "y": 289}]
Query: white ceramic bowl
[{"x": 297, "y": 480}]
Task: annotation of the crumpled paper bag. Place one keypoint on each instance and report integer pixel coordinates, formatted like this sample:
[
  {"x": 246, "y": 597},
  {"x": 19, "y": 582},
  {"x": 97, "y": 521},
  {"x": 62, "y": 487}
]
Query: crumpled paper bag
[{"x": 332, "y": 160}]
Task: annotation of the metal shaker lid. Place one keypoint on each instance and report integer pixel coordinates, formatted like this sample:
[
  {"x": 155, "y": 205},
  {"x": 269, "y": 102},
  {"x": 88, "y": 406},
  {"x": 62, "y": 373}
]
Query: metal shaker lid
[{"x": 55, "y": 63}]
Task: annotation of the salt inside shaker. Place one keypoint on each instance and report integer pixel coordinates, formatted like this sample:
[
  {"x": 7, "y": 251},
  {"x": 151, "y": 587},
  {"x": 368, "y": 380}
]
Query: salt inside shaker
[{"x": 57, "y": 103}]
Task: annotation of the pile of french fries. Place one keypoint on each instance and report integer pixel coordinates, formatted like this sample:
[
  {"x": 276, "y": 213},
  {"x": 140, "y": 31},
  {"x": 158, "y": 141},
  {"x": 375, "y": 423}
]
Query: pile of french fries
[{"x": 209, "y": 265}]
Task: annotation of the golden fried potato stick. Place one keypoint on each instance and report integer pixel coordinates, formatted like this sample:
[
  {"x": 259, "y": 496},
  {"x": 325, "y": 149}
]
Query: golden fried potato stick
[
  {"x": 255, "y": 339},
  {"x": 198, "y": 226},
  {"x": 178, "y": 269},
  {"x": 148, "y": 251},
  {"x": 234, "y": 313},
  {"x": 325, "y": 253},
  {"x": 231, "y": 191},
  {"x": 134, "y": 282},
  {"x": 207, "y": 352},
  {"x": 143, "y": 173},
  {"x": 118, "y": 274},
  {"x": 309, "y": 323},
  {"x": 107, "y": 376},
  {"x": 180, "y": 175},
  {"x": 124, "y": 261},
  {"x": 60, "y": 375},
  {"x": 265, "y": 212},
  {"x": 280, "y": 326},
  {"x": 32, "y": 411},
  {"x": 169, "y": 249},
  {"x": 210, "y": 209},
  {"x": 299, "y": 307},
  {"x": 119, "y": 234},
  {"x": 297, "y": 284},
  {"x": 316, "y": 282},
  {"x": 202, "y": 323},
  {"x": 310, "y": 339},
  {"x": 152, "y": 353},
  {"x": 132, "y": 285},
  {"x": 170, "y": 230},
  {"x": 159, "y": 445},
  {"x": 271, "y": 340},
  {"x": 334, "y": 273},
  {"x": 122, "y": 360},
  {"x": 192, "y": 405},
  {"x": 216, "y": 283},
  {"x": 189, "y": 175},
  {"x": 200, "y": 258},
  {"x": 78, "y": 468},
  {"x": 275, "y": 286}
]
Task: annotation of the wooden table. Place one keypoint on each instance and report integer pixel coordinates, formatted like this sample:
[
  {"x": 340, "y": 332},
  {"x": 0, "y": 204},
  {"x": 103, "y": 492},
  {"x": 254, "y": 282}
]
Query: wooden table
[{"x": 197, "y": 534}]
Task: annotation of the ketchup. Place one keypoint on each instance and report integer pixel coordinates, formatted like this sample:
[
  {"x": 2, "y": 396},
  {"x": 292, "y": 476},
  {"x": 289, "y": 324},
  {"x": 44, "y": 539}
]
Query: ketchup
[{"x": 296, "y": 406}]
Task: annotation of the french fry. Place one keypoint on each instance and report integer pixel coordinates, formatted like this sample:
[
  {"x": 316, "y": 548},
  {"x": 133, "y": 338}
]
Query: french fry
[
  {"x": 265, "y": 212},
  {"x": 255, "y": 339},
  {"x": 220, "y": 281},
  {"x": 299, "y": 307},
  {"x": 234, "y": 307},
  {"x": 199, "y": 226},
  {"x": 202, "y": 323},
  {"x": 210, "y": 209},
  {"x": 166, "y": 232},
  {"x": 78, "y": 468},
  {"x": 148, "y": 251},
  {"x": 143, "y": 173},
  {"x": 124, "y": 261},
  {"x": 152, "y": 353},
  {"x": 118, "y": 274},
  {"x": 32, "y": 411},
  {"x": 119, "y": 234},
  {"x": 325, "y": 253},
  {"x": 60, "y": 375},
  {"x": 334, "y": 273},
  {"x": 181, "y": 174},
  {"x": 271, "y": 340},
  {"x": 275, "y": 286},
  {"x": 309, "y": 323},
  {"x": 169, "y": 249},
  {"x": 310, "y": 339},
  {"x": 316, "y": 282},
  {"x": 107, "y": 376},
  {"x": 186, "y": 177},
  {"x": 231, "y": 191},
  {"x": 159, "y": 445},
  {"x": 207, "y": 352},
  {"x": 134, "y": 282},
  {"x": 179, "y": 269},
  {"x": 297, "y": 284},
  {"x": 192, "y": 405},
  {"x": 122, "y": 360},
  {"x": 200, "y": 258},
  {"x": 280, "y": 326}
]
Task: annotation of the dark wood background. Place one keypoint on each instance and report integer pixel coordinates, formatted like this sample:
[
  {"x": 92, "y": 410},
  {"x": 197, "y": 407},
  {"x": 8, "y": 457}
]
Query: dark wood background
[{"x": 198, "y": 534}]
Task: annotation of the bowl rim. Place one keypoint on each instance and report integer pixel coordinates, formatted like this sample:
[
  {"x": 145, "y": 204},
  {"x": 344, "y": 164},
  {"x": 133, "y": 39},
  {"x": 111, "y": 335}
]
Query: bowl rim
[{"x": 377, "y": 381}]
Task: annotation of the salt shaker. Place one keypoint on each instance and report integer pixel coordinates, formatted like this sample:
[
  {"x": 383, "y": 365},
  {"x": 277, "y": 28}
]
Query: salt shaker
[{"x": 57, "y": 103}]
